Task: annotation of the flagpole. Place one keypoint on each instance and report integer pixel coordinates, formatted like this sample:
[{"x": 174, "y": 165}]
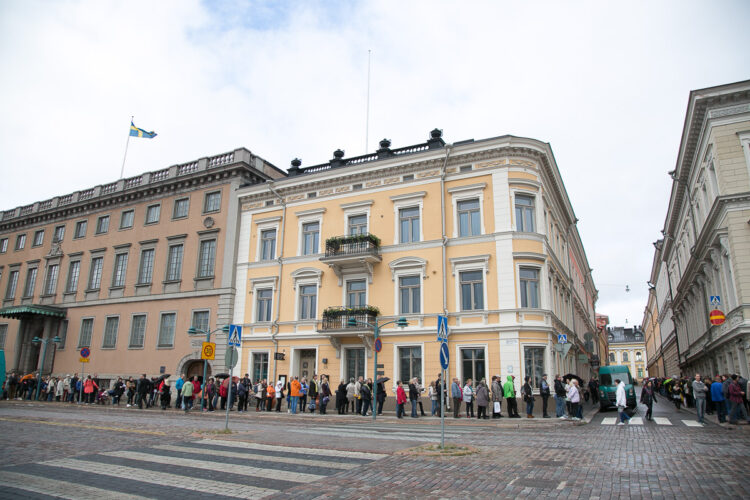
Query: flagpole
[{"x": 122, "y": 170}]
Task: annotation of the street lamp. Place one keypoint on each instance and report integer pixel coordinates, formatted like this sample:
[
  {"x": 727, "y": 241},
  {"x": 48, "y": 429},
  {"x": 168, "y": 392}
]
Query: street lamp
[
  {"x": 352, "y": 322},
  {"x": 44, "y": 342},
  {"x": 192, "y": 331}
]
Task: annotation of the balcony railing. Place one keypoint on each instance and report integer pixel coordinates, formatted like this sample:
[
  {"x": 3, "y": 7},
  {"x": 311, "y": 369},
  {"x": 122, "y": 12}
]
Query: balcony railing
[
  {"x": 355, "y": 244},
  {"x": 337, "y": 318}
]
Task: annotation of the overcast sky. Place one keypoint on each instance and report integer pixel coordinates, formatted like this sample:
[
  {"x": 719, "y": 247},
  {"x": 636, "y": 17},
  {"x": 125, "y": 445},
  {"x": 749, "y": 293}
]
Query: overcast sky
[{"x": 605, "y": 83}]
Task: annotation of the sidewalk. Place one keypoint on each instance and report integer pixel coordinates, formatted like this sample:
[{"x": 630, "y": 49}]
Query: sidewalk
[{"x": 714, "y": 419}]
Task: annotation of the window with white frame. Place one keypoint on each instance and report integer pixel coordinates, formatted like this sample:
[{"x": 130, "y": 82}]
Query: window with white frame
[
  {"x": 612, "y": 357},
  {"x": 126, "y": 219},
  {"x": 409, "y": 225},
  {"x": 625, "y": 357},
  {"x": 268, "y": 244},
  {"x": 95, "y": 273},
  {"x": 80, "y": 230},
  {"x": 121, "y": 268},
  {"x": 207, "y": 258},
  {"x": 469, "y": 222},
  {"x": 524, "y": 213},
  {"x": 472, "y": 290},
  {"x": 529, "y": 286},
  {"x": 181, "y": 207},
  {"x": 3, "y": 245},
  {"x": 74, "y": 272},
  {"x": 174, "y": 262},
  {"x": 38, "y": 238},
  {"x": 167, "y": 326},
  {"x": 146, "y": 268},
  {"x": 20, "y": 241},
  {"x": 84, "y": 336},
  {"x": 264, "y": 299},
  {"x": 260, "y": 366},
  {"x": 638, "y": 356},
  {"x": 10, "y": 289},
  {"x": 102, "y": 224},
  {"x": 152, "y": 214},
  {"x": 310, "y": 237},
  {"x": 409, "y": 363},
  {"x": 111, "y": 325},
  {"x": 533, "y": 361},
  {"x": 28, "y": 290},
  {"x": 356, "y": 224},
  {"x": 50, "y": 281},
  {"x": 410, "y": 294},
  {"x": 308, "y": 296},
  {"x": 201, "y": 320},
  {"x": 212, "y": 202},
  {"x": 356, "y": 293},
  {"x": 473, "y": 363},
  {"x": 137, "y": 331},
  {"x": 467, "y": 209}
]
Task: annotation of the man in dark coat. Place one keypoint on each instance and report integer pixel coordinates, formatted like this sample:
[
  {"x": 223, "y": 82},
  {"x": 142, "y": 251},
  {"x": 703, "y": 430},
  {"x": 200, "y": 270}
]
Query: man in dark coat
[
  {"x": 142, "y": 390},
  {"x": 381, "y": 393},
  {"x": 312, "y": 391}
]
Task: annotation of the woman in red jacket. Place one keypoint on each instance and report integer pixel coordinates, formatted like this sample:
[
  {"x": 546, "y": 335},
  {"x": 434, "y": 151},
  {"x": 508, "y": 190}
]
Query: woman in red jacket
[
  {"x": 89, "y": 389},
  {"x": 400, "y": 399}
]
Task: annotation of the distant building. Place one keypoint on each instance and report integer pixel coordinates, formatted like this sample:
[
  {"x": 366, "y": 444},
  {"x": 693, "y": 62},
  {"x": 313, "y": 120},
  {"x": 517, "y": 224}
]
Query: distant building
[
  {"x": 627, "y": 347},
  {"x": 124, "y": 269},
  {"x": 703, "y": 261}
]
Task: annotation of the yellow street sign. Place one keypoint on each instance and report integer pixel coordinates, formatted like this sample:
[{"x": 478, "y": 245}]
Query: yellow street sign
[
  {"x": 208, "y": 351},
  {"x": 83, "y": 360}
]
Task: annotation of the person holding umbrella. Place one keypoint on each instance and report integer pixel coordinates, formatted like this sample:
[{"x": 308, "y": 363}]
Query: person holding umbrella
[{"x": 166, "y": 392}]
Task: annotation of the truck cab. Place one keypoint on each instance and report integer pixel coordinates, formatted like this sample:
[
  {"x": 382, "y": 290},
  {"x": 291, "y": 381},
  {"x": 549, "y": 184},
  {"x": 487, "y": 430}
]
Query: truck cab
[{"x": 608, "y": 388}]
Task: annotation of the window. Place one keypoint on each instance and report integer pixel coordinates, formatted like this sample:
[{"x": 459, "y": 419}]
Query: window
[
  {"x": 408, "y": 224},
  {"x": 468, "y": 218},
  {"x": 126, "y": 219},
  {"x": 356, "y": 293},
  {"x": 200, "y": 320},
  {"x": 308, "y": 295},
  {"x": 137, "y": 331},
  {"x": 10, "y": 290},
  {"x": 63, "y": 334},
  {"x": 357, "y": 224},
  {"x": 166, "y": 329},
  {"x": 152, "y": 214},
  {"x": 84, "y": 336},
  {"x": 529, "y": 287},
  {"x": 174, "y": 262},
  {"x": 410, "y": 363},
  {"x": 181, "y": 207},
  {"x": 638, "y": 356},
  {"x": 524, "y": 213},
  {"x": 28, "y": 290},
  {"x": 409, "y": 294},
  {"x": 95, "y": 273},
  {"x": 267, "y": 244},
  {"x": 310, "y": 238},
  {"x": 533, "y": 359},
  {"x": 640, "y": 372},
  {"x": 3, "y": 245},
  {"x": 260, "y": 365},
  {"x": 3, "y": 335},
  {"x": 472, "y": 290},
  {"x": 265, "y": 296},
  {"x": 74, "y": 271},
  {"x": 612, "y": 357},
  {"x": 38, "y": 238},
  {"x": 473, "y": 363},
  {"x": 212, "y": 203},
  {"x": 625, "y": 357},
  {"x": 146, "y": 270},
  {"x": 102, "y": 224},
  {"x": 20, "y": 241},
  {"x": 207, "y": 258},
  {"x": 59, "y": 234},
  {"x": 355, "y": 363},
  {"x": 121, "y": 267},
  {"x": 110, "y": 332},
  {"x": 50, "y": 282},
  {"x": 80, "y": 231}
]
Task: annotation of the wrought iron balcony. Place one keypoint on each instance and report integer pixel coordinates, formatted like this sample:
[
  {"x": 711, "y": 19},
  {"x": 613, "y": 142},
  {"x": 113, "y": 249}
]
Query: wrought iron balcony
[
  {"x": 353, "y": 253},
  {"x": 337, "y": 318}
]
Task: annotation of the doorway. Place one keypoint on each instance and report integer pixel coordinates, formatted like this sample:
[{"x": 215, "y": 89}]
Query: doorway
[
  {"x": 306, "y": 364},
  {"x": 355, "y": 363},
  {"x": 195, "y": 369}
]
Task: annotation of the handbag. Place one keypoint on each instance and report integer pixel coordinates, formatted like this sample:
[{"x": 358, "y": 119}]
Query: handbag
[{"x": 497, "y": 407}]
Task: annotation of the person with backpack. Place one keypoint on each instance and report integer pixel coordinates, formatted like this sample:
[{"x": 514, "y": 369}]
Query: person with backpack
[{"x": 242, "y": 396}]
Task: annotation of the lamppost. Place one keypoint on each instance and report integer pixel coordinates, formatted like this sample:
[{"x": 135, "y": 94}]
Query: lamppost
[
  {"x": 44, "y": 342},
  {"x": 352, "y": 321},
  {"x": 192, "y": 331}
]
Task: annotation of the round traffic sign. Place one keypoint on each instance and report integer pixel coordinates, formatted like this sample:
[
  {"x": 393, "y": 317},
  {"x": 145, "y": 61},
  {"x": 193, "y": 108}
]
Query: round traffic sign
[
  {"x": 716, "y": 317},
  {"x": 208, "y": 350},
  {"x": 378, "y": 345},
  {"x": 85, "y": 352},
  {"x": 444, "y": 356}
]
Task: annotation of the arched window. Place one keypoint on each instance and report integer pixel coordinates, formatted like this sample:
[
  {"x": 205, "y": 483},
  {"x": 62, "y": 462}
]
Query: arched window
[
  {"x": 638, "y": 356},
  {"x": 612, "y": 357},
  {"x": 624, "y": 357}
]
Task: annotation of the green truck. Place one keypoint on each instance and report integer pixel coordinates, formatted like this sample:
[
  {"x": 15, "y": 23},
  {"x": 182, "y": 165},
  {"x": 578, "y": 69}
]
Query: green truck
[{"x": 608, "y": 388}]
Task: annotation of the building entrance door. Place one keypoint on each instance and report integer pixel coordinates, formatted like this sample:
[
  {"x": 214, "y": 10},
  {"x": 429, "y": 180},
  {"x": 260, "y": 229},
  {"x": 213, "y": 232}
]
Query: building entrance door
[
  {"x": 355, "y": 363},
  {"x": 195, "y": 369},
  {"x": 306, "y": 367}
]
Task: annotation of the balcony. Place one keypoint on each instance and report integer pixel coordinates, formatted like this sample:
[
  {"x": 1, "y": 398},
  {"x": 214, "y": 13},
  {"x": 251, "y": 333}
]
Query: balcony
[
  {"x": 336, "y": 319},
  {"x": 352, "y": 253}
]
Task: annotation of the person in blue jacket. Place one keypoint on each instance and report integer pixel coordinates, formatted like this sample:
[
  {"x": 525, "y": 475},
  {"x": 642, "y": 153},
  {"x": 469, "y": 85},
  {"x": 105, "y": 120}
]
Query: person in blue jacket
[{"x": 717, "y": 396}]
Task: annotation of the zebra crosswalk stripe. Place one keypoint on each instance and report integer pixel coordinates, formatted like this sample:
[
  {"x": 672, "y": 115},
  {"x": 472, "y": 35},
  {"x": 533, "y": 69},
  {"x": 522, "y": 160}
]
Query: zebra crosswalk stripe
[
  {"x": 317, "y": 452},
  {"x": 58, "y": 489},
  {"x": 662, "y": 421},
  {"x": 609, "y": 420},
  {"x": 692, "y": 423},
  {"x": 636, "y": 421}
]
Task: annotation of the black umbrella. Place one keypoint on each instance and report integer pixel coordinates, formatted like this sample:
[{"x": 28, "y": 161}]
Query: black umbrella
[
  {"x": 161, "y": 377},
  {"x": 383, "y": 380},
  {"x": 221, "y": 375},
  {"x": 570, "y": 376}
]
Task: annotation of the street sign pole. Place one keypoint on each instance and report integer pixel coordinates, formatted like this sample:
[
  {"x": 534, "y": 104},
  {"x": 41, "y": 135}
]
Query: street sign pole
[
  {"x": 442, "y": 414},
  {"x": 375, "y": 379},
  {"x": 229, "y": 393},
  {"x": 80, "y": 391}
]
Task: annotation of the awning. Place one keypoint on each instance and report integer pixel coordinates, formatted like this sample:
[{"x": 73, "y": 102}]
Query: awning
[{"x": 18, "y": 312}]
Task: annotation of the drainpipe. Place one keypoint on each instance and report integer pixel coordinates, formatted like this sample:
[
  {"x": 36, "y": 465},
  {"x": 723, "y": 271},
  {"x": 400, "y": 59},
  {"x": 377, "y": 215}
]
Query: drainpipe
[
  {"x": 570, "y": 278},
  {"x": 275, "y": 323},
  {"x": 443, "y": 243}
]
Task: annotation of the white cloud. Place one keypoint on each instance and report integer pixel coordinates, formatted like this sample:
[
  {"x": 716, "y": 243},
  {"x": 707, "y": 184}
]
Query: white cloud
[{"x": 605, "y": 83}]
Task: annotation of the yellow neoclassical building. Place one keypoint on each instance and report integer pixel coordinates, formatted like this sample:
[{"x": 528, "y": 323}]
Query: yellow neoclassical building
[{"x": 480, "y": 231}]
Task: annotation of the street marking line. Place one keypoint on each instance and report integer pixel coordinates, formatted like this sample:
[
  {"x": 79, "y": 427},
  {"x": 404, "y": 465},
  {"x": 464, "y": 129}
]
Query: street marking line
[
  {"x": 242, "y": 470},
  {"x": 57, "y": 488},
  {"x": 160, "y": 478},
  {"x": 662, "y": 421},
  {"x": 692, "y": 423},
  {"x": 294, "y": 449},
  {"x": 376, "y": 435},
  {"x": 561, "y": 486},
  {"x": 84, "y": 426},
  {"x": 635, "y": 421},
  {"x": 260, "y": 458},
  {"x": 609, "y": 420}
]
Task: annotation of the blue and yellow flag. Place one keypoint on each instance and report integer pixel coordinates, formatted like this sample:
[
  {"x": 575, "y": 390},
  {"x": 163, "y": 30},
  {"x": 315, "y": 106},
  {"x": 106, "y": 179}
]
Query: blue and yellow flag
[{"x": 139, "y": 132}]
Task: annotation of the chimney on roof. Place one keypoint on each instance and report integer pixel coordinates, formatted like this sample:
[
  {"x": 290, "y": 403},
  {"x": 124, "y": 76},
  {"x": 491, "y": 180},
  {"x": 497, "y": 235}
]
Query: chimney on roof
[
  {"x": 385, "y": 149},
  {"x": 294, "y": 169},
  {"x": 337, "y": 160},
  {"x": 435, "y": 141}
]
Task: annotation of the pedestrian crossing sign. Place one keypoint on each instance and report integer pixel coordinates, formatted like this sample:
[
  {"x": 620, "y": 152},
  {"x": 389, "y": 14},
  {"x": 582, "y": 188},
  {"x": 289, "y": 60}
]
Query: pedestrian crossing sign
[
  {"x": 715, "y": 301},
  {"x": 442, "y": 330},
  {"x": 235, "y": 335}
]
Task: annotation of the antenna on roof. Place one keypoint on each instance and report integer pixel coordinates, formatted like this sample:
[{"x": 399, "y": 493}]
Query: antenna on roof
[{"x": 367, "y": 118}]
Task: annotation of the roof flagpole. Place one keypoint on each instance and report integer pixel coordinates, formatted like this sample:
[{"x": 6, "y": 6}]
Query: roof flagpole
[{"x": 122, "y": 170}]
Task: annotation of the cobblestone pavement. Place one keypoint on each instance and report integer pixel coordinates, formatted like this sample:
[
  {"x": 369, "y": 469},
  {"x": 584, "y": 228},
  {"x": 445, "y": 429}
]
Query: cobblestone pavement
[{"x": 68, "y": 451}]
